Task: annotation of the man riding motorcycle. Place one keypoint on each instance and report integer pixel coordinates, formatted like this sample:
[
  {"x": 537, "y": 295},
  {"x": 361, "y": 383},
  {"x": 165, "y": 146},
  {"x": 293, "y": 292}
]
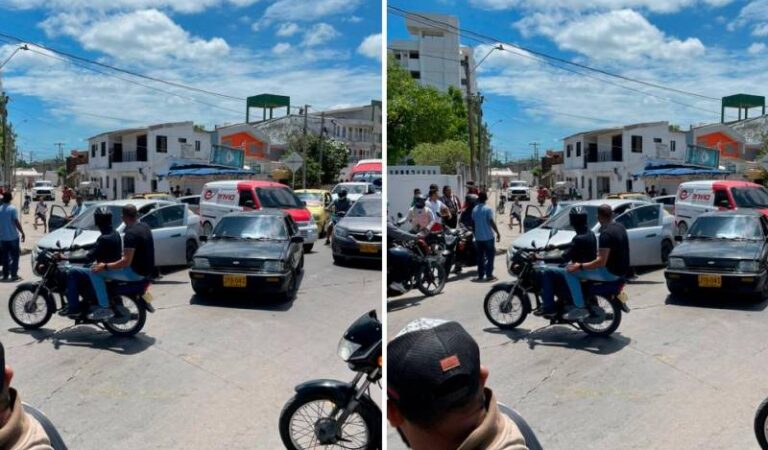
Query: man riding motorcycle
[
  {"x": 341, "y": 204},
  {"x": 109, "y": 248},
  {"x": 583, "y": 249},
  {"x": 420, "y": 217}
]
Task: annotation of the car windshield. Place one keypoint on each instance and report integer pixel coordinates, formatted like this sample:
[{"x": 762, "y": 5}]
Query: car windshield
[
  {"x": 85, "y": 220},
  {"x": 251, "y": 227},
  {"x": 726, "y": 227},
  {"x": 277, "y": 198},
  {"x": 351, "y": 188},
  {"x": 561, "y": 221},
  {"x": 312, "y": 198},
  {"x": 518, "y": 184},
  {"x": 750, "y": 197},
  {"x": 369, "y": 207}
]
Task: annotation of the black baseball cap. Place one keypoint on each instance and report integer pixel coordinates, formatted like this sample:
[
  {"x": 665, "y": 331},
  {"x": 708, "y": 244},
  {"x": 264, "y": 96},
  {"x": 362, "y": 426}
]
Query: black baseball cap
[{"x": 433, "y": 366}]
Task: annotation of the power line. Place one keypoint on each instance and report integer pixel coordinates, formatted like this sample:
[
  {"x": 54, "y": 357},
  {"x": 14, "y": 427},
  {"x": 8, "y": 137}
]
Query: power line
[{"x": 480, "y": 37}]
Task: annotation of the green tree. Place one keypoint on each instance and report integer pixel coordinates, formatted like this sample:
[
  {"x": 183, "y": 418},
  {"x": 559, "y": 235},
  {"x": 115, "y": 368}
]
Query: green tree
[
  {"x": 335, "y": 157},
  {"x": 445, "y": 154},
  {"x": 419, "y": 114},
  {"x": 61, "y": 172}
]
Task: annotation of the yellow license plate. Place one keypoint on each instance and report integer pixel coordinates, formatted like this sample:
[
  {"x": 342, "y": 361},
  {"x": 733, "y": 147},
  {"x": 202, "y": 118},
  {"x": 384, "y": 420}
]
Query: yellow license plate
[
  {"x": 369, "y": 248},
  {"x": 234, "y": 281},
  {"x": 710, "y": 281}
]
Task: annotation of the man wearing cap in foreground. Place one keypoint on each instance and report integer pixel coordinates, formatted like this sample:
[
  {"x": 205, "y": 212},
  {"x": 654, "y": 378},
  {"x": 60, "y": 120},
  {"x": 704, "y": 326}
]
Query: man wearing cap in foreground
[
  {"x": 18, "y": 430},
  {"x": 437, "y": 397}
]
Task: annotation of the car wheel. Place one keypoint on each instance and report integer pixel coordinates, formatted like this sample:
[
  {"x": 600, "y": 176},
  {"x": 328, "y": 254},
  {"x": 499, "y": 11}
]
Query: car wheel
[
  {"x": 293, "y": 289},
  {"x": 339, "y": 260},
  {"x": 191, "y": 249},
  {"x": 666, "y": 249}
]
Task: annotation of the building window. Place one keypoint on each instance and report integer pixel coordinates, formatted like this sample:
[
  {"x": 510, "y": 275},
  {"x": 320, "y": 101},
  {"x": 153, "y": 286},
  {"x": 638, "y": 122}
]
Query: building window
[
  {"x": 103, "y": 149},
  {"x": 413, "y": 54},
  {"x": 657, "y": 140},
  {"x": 578, "y": 149},
  {"x": 197, "y": 146},
  {"x": 672, "y": 145},
  {"x": 93, "y": 151},
  {"x": 463, "y": 81},
  {"x": 568, "y": 150},
  {"x": 183, "y": 140},
  {"x": 637, "y": 144},
  {"x": 415, "y": 74},
  {"x": 344, "y": 132},
  {"x": 397, "y": 56},
  {"x": 107, "y": 181},
  {"x": 161, "y": 143}
]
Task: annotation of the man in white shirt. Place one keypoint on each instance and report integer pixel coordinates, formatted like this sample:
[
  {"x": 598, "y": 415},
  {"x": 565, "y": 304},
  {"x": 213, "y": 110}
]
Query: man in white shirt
[
  {"x": 41, "y": 210},
  {"x": 437, "y": 207},
  {"x": 420, "y": 216}
]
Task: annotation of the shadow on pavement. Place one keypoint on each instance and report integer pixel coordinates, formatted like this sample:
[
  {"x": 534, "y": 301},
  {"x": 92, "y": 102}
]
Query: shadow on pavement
[
  {"x": 90, "y": 336},
  {"x": 244, "y": 301},
  {"x": 366, "y": 264},
  {"x": 714, "y": 301},
  {"x": 398, "y": 304},
  {"x": 561, "y": 336}
]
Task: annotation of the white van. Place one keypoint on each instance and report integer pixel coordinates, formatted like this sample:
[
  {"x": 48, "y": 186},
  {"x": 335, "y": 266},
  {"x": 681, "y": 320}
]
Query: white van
[
  {"x": 694, "y": 198},
  {"x": 220, "y": 198}
]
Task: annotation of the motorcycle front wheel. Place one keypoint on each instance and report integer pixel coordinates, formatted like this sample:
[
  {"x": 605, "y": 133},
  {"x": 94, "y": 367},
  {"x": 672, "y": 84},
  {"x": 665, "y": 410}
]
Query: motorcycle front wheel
[
  {"x": 605, "y": 316},
  {"x": 129, "y": 317},
  {"x": 307, "y": 417},
  {"x": 26, "y": 310},
  {"x": 761, "y": 424},
  {"x": 506, "y": 311},
  {"x": 431, "y": 280}
]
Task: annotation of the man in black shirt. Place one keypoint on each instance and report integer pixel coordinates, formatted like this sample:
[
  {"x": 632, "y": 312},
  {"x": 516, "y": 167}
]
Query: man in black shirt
[
  {"x": 583, "y": 248},
  {"x": 612, "y": 261},
  {"x": 108, "y": 248}
]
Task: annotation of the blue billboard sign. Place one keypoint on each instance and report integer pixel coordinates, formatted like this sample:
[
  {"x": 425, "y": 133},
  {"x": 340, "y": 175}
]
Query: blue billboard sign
[
  {"x": 227, "y": 156},
  {"x": 703, "y": 156}
]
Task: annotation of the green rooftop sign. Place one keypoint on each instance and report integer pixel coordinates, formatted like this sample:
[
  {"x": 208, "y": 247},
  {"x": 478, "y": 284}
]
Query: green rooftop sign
[
  {"x": 267, "y": 102},
  {"x": 742, "y": 102}
]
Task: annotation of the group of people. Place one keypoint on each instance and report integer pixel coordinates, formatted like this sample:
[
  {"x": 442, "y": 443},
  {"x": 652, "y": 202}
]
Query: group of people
[
  {"x": 652, "y": 192},
  {"x": 176, "y": 192}
]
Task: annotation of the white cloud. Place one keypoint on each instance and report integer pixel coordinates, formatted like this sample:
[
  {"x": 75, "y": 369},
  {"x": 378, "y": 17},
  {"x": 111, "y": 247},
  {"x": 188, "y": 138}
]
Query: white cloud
[
  {"x": 657, "y": 6},
  {"x": 754, "y": 14},
  {"x": 281, "y": 47},
  {"x": 287, "y": 29},
  {"x": 352, "y": 19},
  {"x": 621, "y": 35},
  {"x": 319, "y": 34},
  {"x": 757, "y": 47},
  {"x": 182, "y": 6},
  {"x": 371, "y": 47},
  {"x": 307, "y": 10},
  {"x": 148, "y": 36}
]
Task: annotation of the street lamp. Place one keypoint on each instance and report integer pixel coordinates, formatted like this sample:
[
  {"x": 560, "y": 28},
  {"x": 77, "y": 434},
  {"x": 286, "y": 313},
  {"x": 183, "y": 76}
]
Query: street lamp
[
  {"x": 4, "y": 117},
  {"x": 477, "y": 158}
]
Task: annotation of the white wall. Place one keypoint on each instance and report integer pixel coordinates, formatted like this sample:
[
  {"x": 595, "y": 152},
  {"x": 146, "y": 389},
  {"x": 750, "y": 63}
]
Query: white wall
[{"x": 400, "y": 189}]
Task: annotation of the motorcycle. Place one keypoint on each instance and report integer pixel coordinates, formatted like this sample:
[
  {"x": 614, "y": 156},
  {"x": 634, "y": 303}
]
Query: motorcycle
[
  {"x": 33, "y": 303},
  {"x": 334, "y": 413},
  {"x": 25, "y": 206},
  {"x": 501, "y": 206},
  {"x": 542, "y": 197},
  {"x": 507, "y": 304},
  {"x": 419, "y": 269},
  {"x": 460, "y": 245}
]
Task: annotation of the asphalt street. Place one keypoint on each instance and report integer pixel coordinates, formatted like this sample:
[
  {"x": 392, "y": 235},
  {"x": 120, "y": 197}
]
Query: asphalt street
[
  {"x": 204, "y": 373},
  {"x": 678, "y": 373}
]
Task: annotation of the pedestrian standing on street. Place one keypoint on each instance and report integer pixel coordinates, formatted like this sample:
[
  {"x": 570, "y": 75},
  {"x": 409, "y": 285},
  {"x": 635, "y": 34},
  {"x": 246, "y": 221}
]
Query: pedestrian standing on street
[
  {"x": 652, "y": 192},
  {"x": 438, "y": 208},
  {"x": 437, "y": 394},
  {"x": 41, "y": 211},
  {"x": 552, "y": 207},
  {"x": 453, "y": 204},
  {"x": 516, "y": 213},
  {"x": 10, "y": 229},
  {"x": 485, "y": 226}
]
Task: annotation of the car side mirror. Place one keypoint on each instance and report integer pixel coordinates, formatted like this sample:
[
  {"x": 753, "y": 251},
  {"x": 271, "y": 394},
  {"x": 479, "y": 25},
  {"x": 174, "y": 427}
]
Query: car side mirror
[
  {"x": 297, "y": 240},
  {"x": 203, "y": 238}
]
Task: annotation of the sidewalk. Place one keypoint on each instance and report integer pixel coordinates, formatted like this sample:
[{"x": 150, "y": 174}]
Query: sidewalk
[{"x": 502, "y": 222}]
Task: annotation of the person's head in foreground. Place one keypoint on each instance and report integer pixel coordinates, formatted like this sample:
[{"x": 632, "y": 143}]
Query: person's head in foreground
[
  {"x": 18, "y": 430},
  {"x": 437, "y": 398}
]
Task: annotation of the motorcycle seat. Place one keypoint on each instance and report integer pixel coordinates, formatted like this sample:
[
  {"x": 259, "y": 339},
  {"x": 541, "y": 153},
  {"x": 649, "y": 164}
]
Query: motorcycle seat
[
  {"x": 603, "y": 287},
  {"x": 128, "y": 287}
]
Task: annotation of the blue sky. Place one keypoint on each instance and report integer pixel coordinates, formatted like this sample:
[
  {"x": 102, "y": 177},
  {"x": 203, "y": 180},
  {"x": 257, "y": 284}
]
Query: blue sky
[
  {"x": 325, "y": 53},
  {"x": 708, "y": 47}
]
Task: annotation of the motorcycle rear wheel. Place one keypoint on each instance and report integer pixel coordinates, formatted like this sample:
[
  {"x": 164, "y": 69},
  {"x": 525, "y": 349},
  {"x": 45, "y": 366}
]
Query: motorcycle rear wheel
[
  {"x": 129, "y": 309},
  {"x": 304, "y": 412},
  {"x": 431, "y": 280},
  {"x": 504, "y": 312},
  {"x": 611, "y": 308},
  {"x": 761, "y": 424},
  {"x": 27, "y": 313}
]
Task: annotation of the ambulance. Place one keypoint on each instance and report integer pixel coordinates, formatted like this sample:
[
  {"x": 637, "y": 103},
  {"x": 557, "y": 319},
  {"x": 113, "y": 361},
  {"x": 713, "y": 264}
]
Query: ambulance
[
  {"x": 694, "y": 198},
  {"x": 219, "y": 198}
]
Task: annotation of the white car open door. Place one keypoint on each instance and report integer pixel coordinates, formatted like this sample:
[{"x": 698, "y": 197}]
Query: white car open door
[
  {"x": 644, "y": 231},
  {"x": 169, "y": 232}
]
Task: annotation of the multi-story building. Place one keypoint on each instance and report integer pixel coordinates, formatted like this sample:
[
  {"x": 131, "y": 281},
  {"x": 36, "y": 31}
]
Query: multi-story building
[
  {"x": 603, "y": 161},
  {"x": 136, "y": 160},
  {"x": 435, "y": 56}
]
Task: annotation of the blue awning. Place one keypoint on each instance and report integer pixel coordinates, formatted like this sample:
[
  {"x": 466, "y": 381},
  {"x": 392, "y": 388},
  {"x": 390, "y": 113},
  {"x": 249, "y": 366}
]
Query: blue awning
[
  {"x": 201, "y": 170},
  {"x": 679, "y": 171}
]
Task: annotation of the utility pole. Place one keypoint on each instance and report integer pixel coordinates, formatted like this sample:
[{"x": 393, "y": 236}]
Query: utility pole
[
  {"x": 304, "y": 148},
  {"x": 322, "y": 143},
  {"x": 4, "y": 118},
  {"x": 61, "y": 150},
  {"x": 480, "y": 143},
  {"x": 535, "y": 158},
  {"x": 470, "y": 121}
]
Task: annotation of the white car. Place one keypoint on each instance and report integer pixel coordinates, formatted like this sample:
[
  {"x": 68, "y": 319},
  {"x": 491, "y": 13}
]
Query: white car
[
  {"x": 175, "y": 229},
  {"x": 650, "y": 229},
  {"x": 43, "y": 189},
  {"x": 355, "y": 190},
  {"x": 519, "y": 189}
]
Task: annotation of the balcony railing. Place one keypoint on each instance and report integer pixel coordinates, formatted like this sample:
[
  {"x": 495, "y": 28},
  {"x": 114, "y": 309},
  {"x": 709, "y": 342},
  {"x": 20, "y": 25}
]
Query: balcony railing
[{"x": 121, "y": 155}]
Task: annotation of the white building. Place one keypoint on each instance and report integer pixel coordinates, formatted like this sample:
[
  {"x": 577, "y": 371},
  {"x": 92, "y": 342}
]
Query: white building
[
  {"x": 134, "y": 160},
  {"x": 604, "y": 161},
  {"x": 435, "y": 57}
]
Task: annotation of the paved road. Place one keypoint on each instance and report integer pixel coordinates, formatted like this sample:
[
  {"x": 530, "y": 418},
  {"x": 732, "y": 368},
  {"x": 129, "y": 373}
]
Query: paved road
[
  {"x": 682, "y": 374},
  {"x": 203, "y": 374}
]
